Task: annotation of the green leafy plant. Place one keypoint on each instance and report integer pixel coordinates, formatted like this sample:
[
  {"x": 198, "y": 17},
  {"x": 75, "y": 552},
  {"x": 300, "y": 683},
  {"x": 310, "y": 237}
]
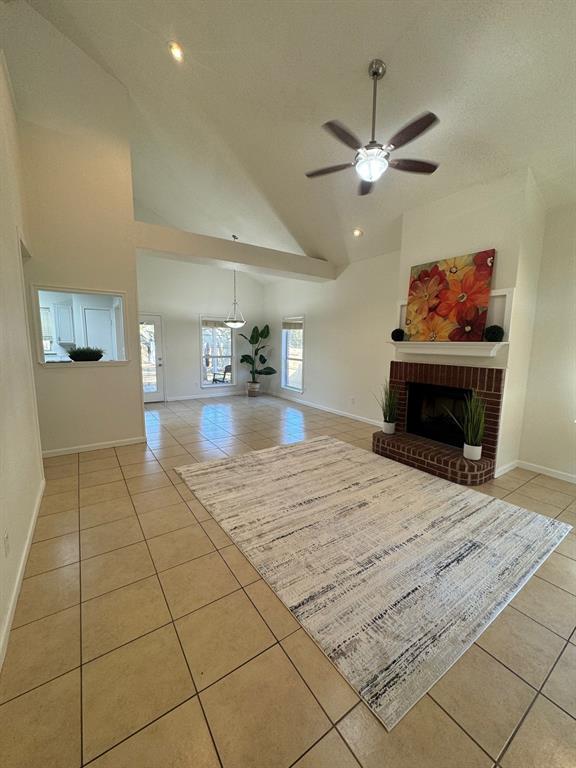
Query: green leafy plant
[
  {"x": 388, "y": 402},
  {"x": 257, "y": 361},
  {"x": 84, "y": 354},
  {"x": 472, "y": 424}
]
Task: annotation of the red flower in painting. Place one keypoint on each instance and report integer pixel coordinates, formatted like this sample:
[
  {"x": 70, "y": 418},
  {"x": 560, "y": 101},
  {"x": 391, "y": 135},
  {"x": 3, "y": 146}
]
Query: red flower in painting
[
  {"x": 469, "y": 292},
  {"x": 471, "y": 324},
  {"x": 424, "y": 291},
  {"x": 484, "y": 263}
]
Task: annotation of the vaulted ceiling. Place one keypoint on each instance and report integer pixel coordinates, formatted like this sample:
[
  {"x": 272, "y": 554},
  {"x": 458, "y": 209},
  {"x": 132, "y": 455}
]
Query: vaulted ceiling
[{"x": 221, "y": 142}]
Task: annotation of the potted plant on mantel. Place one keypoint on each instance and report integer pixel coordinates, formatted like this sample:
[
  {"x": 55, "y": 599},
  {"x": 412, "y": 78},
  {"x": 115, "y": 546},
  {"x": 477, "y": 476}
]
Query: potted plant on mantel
[
  {"x": 388, "y": 402},
  {"x": 472, "y": 425},
  {"x": 256, "y": 359}
]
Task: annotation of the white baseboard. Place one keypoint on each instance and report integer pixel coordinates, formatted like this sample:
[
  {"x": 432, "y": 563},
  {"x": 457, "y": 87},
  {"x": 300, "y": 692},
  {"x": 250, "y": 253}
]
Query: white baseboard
[
  {"x": 567, "y": 476},
  {"x": 506, "y": 468},
  {"x": 93, "y": 446},
  {"x": 8, "y": 618},
  {"x": 319, "y": 407}
]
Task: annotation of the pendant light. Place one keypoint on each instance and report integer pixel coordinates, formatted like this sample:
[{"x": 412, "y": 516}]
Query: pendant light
[{"x": 235, "y": 318}]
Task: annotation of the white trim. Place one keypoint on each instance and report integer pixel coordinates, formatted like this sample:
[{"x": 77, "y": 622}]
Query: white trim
[
  {"x": 449, "y": 348},
  {"x": 93, "y": 446},
  {"x": 570, "y": 478},
  {"x": 13, "y": 599},
  {"x": 506, "y": 468},
  {"x": 57, "y": 364},
  {"x": 310, "y": 404}
]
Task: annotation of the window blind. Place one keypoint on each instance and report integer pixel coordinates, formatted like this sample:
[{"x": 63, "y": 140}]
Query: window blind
[{"x": 293, "y": 324}]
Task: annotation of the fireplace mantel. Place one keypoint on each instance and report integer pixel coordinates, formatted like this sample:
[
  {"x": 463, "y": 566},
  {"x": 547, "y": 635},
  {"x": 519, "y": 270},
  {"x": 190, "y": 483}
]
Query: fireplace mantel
[{"x": 450, "y": 348}]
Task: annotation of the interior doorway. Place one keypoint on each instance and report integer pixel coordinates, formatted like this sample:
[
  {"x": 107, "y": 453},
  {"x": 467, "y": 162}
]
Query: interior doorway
[{"x": 152, "y": 358}]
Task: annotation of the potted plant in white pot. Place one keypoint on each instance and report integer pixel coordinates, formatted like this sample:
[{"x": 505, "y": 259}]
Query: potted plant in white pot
[
  {"x": 256, "y": 360},
  {"x": 388, "y": 402},
  {"x": 472, "y": 425}
]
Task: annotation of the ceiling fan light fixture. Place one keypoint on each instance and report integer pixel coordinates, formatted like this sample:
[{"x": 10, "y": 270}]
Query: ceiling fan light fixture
[
  {"x": 371, "y": 163},
  {"x": 176, "y": 51}
]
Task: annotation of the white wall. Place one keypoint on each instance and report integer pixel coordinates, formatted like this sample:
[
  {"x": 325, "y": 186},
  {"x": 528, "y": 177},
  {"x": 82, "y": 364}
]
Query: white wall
[
  {"x": 21, "y": 474},
  {"x": 180, "y": 293},
  {"x": 347, "y": 324},
  {"x": 549, "y": 433},
  {"x": 78, "y": 194}
]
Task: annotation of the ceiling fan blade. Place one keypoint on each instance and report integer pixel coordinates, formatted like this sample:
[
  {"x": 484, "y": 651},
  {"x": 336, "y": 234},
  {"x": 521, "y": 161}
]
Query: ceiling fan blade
[
  {"x": 365, "y": 187},
  {"x": 330, "y": 169},
  {"x": 342, "y": 133},
  {"x": 411, "y": 131},
  {"x": 413, "y": 166}
]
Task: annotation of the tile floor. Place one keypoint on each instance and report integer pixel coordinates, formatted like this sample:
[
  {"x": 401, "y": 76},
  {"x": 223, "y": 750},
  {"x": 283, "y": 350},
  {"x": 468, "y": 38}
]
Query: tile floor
[{"x": 144, "y": 638}]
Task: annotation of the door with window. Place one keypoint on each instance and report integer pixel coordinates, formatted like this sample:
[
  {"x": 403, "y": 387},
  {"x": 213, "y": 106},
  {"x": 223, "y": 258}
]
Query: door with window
[{"x": 152, "y": 358}]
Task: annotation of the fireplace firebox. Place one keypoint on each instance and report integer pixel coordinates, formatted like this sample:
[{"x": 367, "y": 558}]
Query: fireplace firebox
[{"x": 427, "y": 412}]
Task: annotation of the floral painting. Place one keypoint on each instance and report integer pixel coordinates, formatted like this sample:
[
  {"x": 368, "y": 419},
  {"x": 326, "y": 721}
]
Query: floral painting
[{"x": 448, "y": 299}]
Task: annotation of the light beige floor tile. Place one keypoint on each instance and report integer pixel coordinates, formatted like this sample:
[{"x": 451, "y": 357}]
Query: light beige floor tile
[
  {"x": 206, "y": 454},
  {"x": 561, "y": 685},
  {"x": 510, "y": 483},
  {"x": 98, "y": 465},
  {"x": 274, "y": 612},
  {"x": 549, "y": 605},
  {"x": 61, "y": 485},
  {"x": 179, "y": 546},
  {"x": 47, "y": 593},
  {"x": 568, "y": 516},
  {"x": 546, "y": 739},
  {"x": 183, "y": 490},
  {"x": 161, "y": 497},
  {"x": 191, "y": 585},
  {"x": 100, "y": 493},
  {"x": 325, "y": 682},
  {"x": 60, "y": 461},
  {"x": 102, "y": 477},
  {"x": 180, "y": 460},
  {"x": 134, "y": 454},
  {"x": 200, "y": 513},
  {"x": 425, "y": 738},
  {"x": 547, "y": 495},
  {"x": 41, "y": 729},
  {"x": 115, "y": 569},
  {"x": 492, "y": 490},
  {"x": 239, "y": 565},
  {"x": 262, "y": 714},
  {"x": 571, "y": 507},
  {"x": 147, "y": 482},
  {"x": 222, "y": 636},
  {"x": 61, "y": 471},
  {"x": 179, "y": 739},
  {"x": 217, "y": 535},
  {"x": 561, "y": 571},
  {"x": 53, "y": 553},
  {"x": 166, "y": 519},
  {"x": 523, "y": 645},
  {"x": 555, "y": 484},
  {"x": 485, "y": 698},
  {"x": 59, "y": 502},
  {"x": 521, "y": 474},
  {"x": 175, "y": 449},
  {"x": 40, "y": 651},
  {"x": 534, "y": 505},
  {"x": 330, "y": 752},
  {"x": 109, "y": 536},
  {"x": 105, "y": 512},
  {"x": 141, "y": 468},
  {"x": 97, "y": 455},
  {"x": 138, "y": 682},
  {"x": 567, "y": 546},
  {"x": 51, "y": 526},
  {"x": 122, "y": 615}
]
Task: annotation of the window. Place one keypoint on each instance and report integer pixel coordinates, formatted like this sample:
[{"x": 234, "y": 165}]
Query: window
[
  {"x": 293, "y": 353},
  {"x": 71, "y": 319},
  {"x": 217, "y": 353}
]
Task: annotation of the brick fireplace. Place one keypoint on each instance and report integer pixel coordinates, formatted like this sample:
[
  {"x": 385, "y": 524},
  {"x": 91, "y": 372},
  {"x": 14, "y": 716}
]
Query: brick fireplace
[{"x": 422, "y": 390}]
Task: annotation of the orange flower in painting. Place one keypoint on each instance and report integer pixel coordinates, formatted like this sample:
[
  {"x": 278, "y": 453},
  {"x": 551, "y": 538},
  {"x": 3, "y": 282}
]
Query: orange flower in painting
[
  {"x": 467, "y": 293},
  {"x": 424, "y": 293},
  {"x": 434, "y": 328}
]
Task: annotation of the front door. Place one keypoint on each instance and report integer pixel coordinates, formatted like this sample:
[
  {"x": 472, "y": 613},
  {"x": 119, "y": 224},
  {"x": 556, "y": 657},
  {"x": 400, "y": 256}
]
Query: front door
[{"x": 152, "y": 356}]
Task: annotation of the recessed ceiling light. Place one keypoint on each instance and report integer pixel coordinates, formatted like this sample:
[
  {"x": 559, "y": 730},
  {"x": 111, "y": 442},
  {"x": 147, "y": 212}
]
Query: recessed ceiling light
[
  {"x": 176, "y": 51},
  {"x": 357, "y": 232}
]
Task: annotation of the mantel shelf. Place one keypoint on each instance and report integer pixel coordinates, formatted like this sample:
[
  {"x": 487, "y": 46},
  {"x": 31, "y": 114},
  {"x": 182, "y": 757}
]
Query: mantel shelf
[{"x": 457, "y": 348}]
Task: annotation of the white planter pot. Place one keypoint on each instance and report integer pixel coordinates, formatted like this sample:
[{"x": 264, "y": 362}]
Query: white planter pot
[
  {"x": 252, "y": 388},
  {"x": 389, "y": 427},
  {"x": 473, "y": 452}
]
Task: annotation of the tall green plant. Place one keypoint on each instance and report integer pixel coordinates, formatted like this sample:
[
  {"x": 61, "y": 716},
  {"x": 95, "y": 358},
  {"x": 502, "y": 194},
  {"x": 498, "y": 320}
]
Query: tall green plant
[
  {"x": 388, "y": 402},
  {"x": 472, "y": 424},
  {"x": 257, "y": 359}
]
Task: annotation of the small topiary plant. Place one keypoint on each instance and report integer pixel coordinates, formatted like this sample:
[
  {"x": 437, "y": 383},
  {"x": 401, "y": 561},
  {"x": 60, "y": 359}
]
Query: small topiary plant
[
  {"x": 398, "y": 334},
  {"x": 85, "y": 354},
  {"x": 494, "y": 333}
]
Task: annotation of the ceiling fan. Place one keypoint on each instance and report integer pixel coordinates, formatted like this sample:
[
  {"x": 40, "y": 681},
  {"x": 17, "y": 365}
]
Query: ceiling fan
[{"x": 373, "y": 159}]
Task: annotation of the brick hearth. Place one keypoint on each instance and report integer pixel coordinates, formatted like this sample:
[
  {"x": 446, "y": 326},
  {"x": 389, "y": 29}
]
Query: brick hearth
[{"x": 433, "y": 457}]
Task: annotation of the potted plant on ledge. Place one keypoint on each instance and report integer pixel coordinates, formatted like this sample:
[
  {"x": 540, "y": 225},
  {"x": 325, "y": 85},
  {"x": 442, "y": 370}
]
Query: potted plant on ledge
[
  {"x": 472, "y": 425},
  {"x": 388, "y": 402},
  {"x": 256, "y": 359}
]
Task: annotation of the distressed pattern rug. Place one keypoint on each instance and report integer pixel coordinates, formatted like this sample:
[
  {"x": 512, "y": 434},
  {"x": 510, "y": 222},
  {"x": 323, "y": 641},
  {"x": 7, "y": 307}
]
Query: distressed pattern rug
[{"x": 393, "y": 572}]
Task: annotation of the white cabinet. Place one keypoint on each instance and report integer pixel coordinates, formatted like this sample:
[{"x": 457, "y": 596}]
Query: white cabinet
[{"x": 64, "y": 324}]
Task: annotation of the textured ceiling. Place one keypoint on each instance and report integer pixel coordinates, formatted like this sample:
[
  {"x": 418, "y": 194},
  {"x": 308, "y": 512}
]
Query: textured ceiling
[{"x": 221, "y": 142}]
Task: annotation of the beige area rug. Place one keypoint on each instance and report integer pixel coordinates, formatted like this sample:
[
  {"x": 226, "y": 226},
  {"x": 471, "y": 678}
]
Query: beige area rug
[{"x": 393, "y": 572}]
